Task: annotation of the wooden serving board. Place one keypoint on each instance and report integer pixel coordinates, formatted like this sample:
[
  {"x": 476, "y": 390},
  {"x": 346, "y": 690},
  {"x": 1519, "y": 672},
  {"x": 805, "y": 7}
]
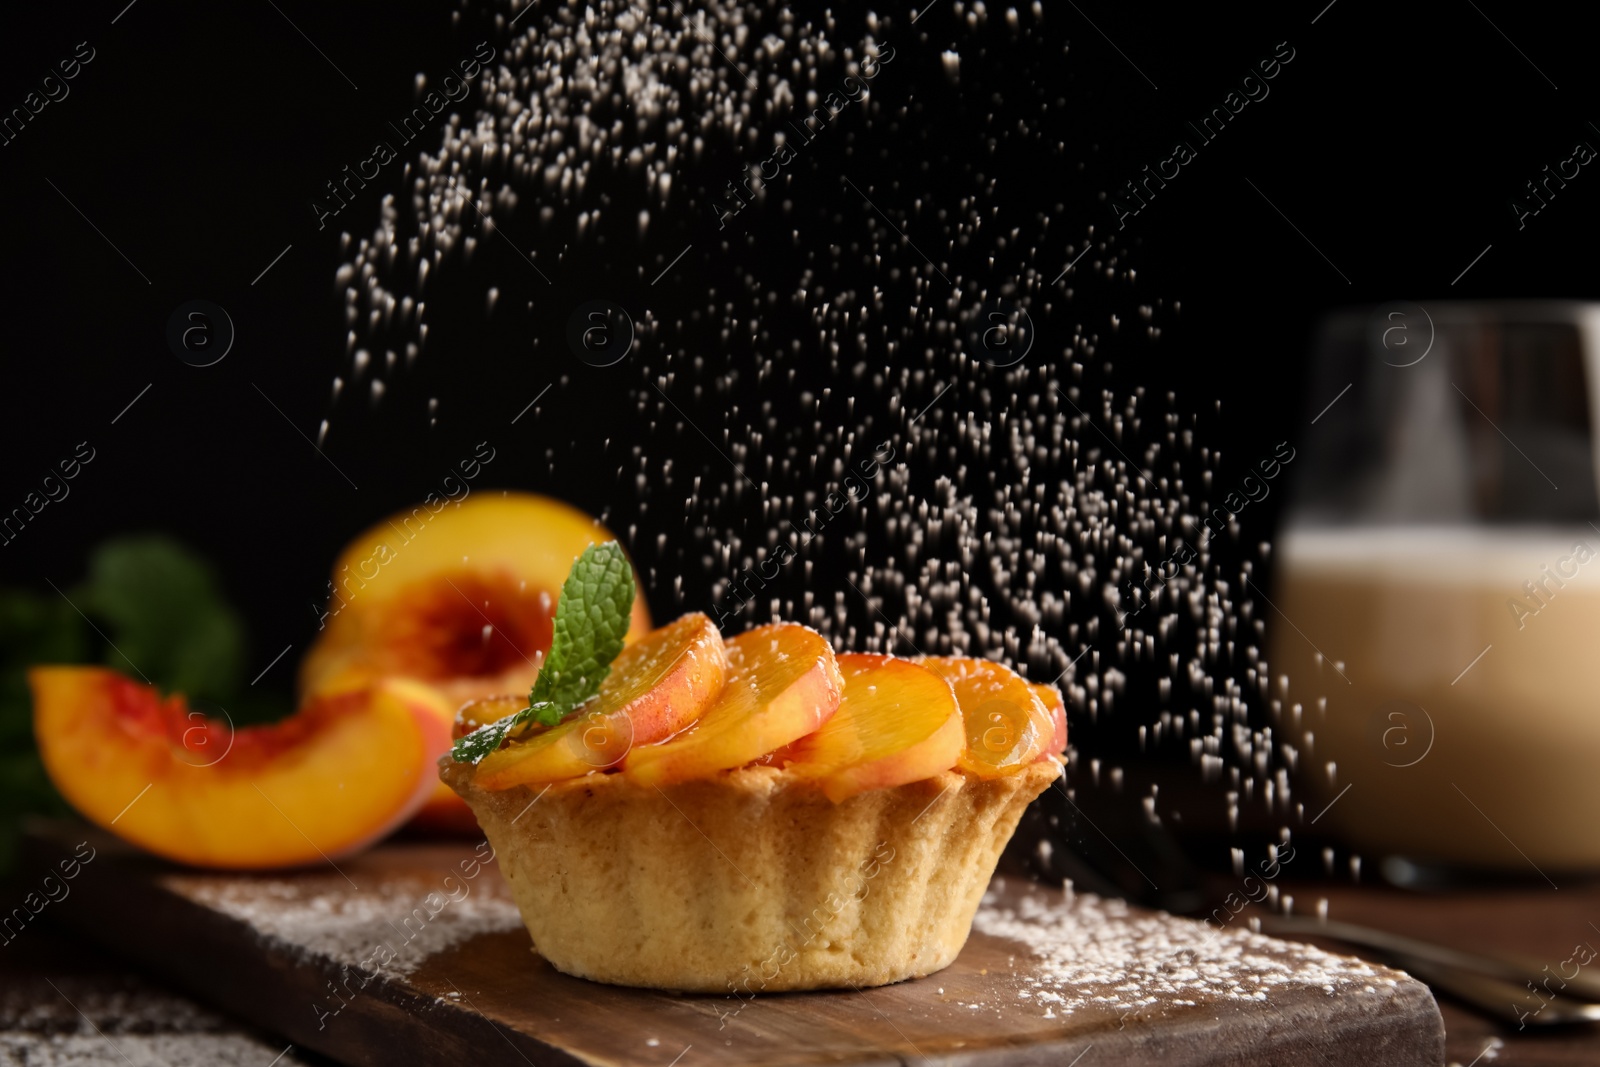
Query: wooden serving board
[{"x": 414, "y": 953}]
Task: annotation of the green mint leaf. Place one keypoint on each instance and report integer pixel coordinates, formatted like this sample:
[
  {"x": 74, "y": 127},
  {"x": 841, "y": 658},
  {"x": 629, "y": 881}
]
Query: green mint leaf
[
  {"x": 592, "y": 618},
  {"x": 482, "y": 741},
  {"x": 541, "y": 714}
]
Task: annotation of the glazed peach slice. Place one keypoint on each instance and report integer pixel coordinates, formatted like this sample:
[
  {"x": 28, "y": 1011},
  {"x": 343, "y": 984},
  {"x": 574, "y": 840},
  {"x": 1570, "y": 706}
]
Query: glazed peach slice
[
  {"x": 1053, "y": 702},
  {"x": 1007, "y": 725},
  {"x": 656, "y": 687},
  {"x": 782, "y": 683},
  {"x": 897, "y": 722},
  {"x": 460, "y": 597},
  {"x": 338, "y": 775}
]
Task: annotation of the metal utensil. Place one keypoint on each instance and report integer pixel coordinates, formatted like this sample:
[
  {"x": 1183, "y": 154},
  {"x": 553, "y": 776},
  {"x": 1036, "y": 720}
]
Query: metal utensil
[
  {"x": 1500, "y": 984},
  {"x": 1501, "y": 999}
]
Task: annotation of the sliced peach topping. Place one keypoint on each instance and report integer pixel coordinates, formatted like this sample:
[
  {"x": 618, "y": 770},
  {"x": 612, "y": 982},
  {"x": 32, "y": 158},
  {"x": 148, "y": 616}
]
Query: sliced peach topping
[
  {"x": 782, "y": 683},
  {"x": 1053, "y": 702},
  {"x": 338, "y": 775},
  {"x": 1007, "y": 725},
  {"x": 656, "y": 687},
  {"x": 897, "y": 722}
]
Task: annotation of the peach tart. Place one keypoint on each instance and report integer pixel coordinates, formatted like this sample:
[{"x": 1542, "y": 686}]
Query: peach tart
[{"x": 750, "y": 814}]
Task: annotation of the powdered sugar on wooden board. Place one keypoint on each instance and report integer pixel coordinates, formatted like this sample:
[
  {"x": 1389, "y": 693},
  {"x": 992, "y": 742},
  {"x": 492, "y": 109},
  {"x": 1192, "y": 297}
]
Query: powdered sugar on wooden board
[
  {"x": 1086, "y": 952},
  {"x": 390, "y": 925},
  {"x": 1098, "y": 953},
  {"x": 415, "y": 953}
]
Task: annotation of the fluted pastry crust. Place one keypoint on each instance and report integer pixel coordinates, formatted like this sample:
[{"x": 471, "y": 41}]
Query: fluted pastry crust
[{"x": 750, "y": 880}]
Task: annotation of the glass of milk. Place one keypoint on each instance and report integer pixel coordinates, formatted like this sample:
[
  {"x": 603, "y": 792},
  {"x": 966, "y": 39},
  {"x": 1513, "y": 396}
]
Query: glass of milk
[{"x": 1439, "y": 571}]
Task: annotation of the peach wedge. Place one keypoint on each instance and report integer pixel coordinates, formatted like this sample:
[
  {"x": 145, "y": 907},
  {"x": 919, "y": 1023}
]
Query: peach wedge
[
  {"x": 897, "y": 723},
  {"x": 338, "y": 775}
]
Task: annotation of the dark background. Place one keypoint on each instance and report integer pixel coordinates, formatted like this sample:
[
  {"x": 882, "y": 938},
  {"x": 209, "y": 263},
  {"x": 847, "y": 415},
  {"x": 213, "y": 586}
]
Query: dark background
[{"x": 198, "y": 136}]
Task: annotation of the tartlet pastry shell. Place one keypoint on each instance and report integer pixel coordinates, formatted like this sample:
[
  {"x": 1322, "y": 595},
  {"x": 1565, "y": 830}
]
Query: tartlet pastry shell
[{"x": 750, "y": 880}]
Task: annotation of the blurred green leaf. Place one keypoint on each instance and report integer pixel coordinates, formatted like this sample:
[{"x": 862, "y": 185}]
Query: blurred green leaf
[
  {"x": 163, "y": 610},
  {"x": 33, "y": 629}
]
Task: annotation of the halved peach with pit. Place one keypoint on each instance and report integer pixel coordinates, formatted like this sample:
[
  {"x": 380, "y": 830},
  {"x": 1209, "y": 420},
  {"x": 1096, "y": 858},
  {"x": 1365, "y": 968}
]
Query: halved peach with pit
[
  {"x": 338, "y": 775},
  {"x": 897, "y": 722},
  {"x": 1007, "y": 725},
  {"x": 782, "y": 683},
  {"x": 461, "y": 597},
  {"x": 656, "y": 687}
]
